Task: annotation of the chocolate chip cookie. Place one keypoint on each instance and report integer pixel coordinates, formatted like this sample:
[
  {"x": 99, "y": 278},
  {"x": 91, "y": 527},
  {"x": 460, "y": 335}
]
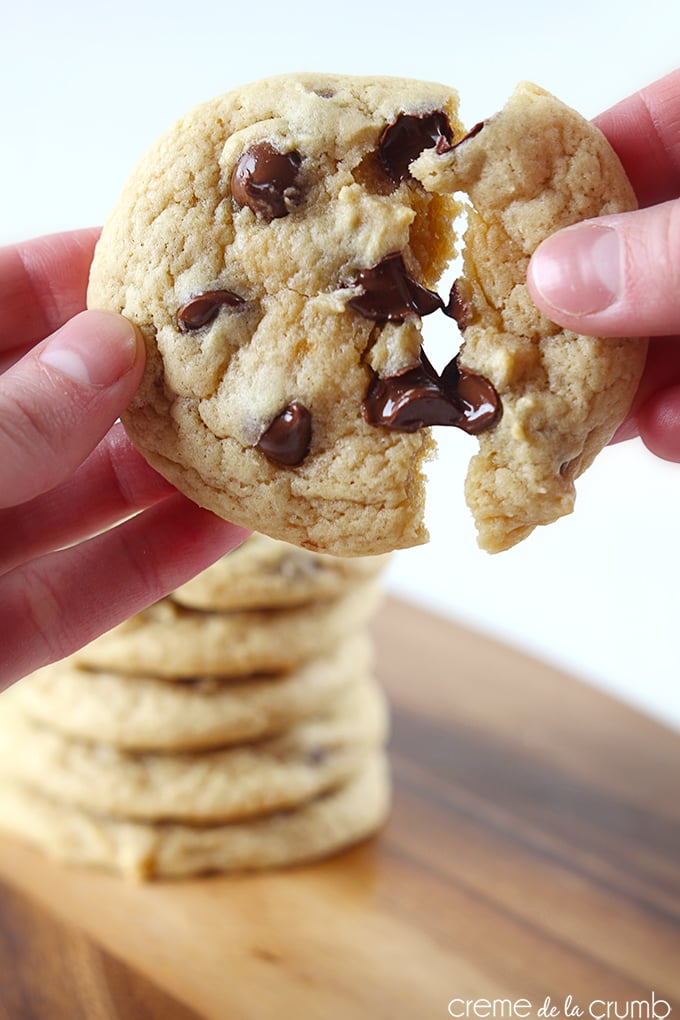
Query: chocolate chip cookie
[
  {"x": 264, "y": 573},
  {"x": 169, "y": 640},
  {"x": 224, "y": 784},
  {"x": 144, "y": 850},
  {"x": 136, "y": 712},
  {"x": 279, "y": 248}
]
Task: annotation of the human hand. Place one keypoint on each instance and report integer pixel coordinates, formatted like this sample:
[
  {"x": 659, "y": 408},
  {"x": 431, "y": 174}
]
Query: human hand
[
  {"x": 68, "y": 473},
  {"x": 620, "y": 275}
]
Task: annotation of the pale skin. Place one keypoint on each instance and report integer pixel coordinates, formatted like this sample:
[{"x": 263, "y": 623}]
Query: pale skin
[{"x": 69, "y": 569}]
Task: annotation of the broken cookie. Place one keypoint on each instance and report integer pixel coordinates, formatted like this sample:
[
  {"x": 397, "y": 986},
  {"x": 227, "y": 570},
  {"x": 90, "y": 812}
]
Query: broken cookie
[{"x": 278, "y": 250}]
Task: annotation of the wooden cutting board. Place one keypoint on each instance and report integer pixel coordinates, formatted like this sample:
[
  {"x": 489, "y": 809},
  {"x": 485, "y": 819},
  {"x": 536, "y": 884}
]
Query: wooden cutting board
[{"x": 533, "y": 852}]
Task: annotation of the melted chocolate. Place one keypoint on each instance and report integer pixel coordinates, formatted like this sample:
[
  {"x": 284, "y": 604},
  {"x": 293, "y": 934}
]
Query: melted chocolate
[
  {"x": 405, "y": 138},
  {"x": 389, "y": 292},
  {"x": 476, "y": 395},
  {"x": 458, "y": 308},
  {"x": 286, "y": 440},
  {"x": 267, "y": 181},
  {"x": 418, "y": 397},
  {"x": 445, "y": 144},
  {"x": 201, "y": 309},
  {"x": 471, "y": 133},
  {"x": 409, "y": 401}
]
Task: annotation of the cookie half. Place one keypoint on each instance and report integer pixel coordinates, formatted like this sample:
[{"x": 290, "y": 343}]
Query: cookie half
[
  {"x": 264, "y": 246},
  {"x": 532, "y": 169}
]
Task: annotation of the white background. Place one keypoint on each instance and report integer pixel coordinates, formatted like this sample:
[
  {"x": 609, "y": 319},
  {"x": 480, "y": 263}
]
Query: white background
[{"x": 86, "y": 87}]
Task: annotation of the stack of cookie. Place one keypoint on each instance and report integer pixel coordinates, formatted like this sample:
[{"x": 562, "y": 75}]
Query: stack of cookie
[{"x": 233, "y": 725}]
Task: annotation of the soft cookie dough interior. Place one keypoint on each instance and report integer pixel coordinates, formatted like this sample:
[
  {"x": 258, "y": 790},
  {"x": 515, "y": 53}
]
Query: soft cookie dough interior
[{"x": 278, "y": 249}]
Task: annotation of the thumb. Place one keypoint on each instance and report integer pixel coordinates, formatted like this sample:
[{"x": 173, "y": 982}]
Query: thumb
[
  {"x": 614, "y": 276},
  {"x": 60, "y": 400}
]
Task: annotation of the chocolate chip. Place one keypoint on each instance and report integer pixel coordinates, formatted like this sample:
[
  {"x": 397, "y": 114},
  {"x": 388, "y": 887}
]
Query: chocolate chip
[
  {"x": 471, "y": 133},
  {"x": 388, "y": 291},
  {"x": 458, "y": 308},
  {"x": 476, "y": 395},
  {"x": 267, "y": 181},
  {"x": 286, "y": 440},
  {"x": 202, "y": 308},
  {"x": 445, "y": 144},
  {"x": 405, "y": 138},
  {"x": 317, "y": 756},
  {"x": 409, "y": 401},
  {"x": 418, "y": 397}
]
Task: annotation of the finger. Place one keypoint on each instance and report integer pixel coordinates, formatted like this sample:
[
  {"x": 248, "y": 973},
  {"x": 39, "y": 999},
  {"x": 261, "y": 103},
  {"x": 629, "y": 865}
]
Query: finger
[
  {"x": 658, "y": 422},
  {"x": 615, "y": 276},
  {"x": 43, "y": 284},
  {"x": 655, "y": 415},
  {"x": 113, "y": 483},
  {"x": 56, "y": 604},
  {"x": 61, "y": 399},
  {"x": 644, "y": 130},
  {"x": 662, "y": 371}
]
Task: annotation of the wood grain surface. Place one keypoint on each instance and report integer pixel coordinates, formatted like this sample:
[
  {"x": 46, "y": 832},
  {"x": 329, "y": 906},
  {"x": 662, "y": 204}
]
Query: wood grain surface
[
  {"x": 533, "y": 854},
  {"x": 49, "y": 971}
]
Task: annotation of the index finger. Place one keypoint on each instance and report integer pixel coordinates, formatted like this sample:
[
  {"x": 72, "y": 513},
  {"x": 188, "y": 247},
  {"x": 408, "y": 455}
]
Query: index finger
[
  {"x": 43, "y": 283},
  {"x": 644, "y": 130}
]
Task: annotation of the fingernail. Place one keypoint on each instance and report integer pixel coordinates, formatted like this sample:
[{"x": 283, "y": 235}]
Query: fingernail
[
  {"x": 578, "y": 270},
  {"x": 95, "y": 348}
]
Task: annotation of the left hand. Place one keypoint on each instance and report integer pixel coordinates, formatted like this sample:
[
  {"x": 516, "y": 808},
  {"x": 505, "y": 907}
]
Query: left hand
[{"x": 68, "y": 474}]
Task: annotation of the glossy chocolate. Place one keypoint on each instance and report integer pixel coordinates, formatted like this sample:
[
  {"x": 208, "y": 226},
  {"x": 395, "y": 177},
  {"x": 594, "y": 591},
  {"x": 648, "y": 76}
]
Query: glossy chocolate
[
  {"x": 458, "y": 308},
  {"x": 477, "y": 397},
  {"x": 405, "y": 138},
  {"x": 286, "y": 440},
  {"x": 445, "y": 144},
  {"x": 418, "y": 397},
  {"x": 388, "y": 291},
  {"x": 409, "y": 401},
  {"x": 267, "y": 181},
  {"x": 202, "y": 308},
  {"x": 471, "y": 133}
]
